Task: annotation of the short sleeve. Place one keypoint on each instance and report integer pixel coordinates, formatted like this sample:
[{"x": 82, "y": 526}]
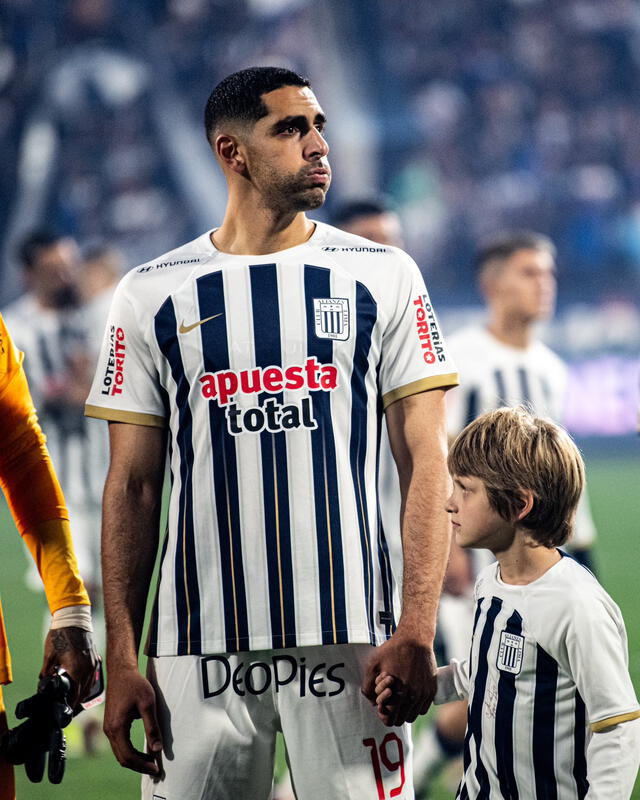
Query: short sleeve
[
  {"x": 414, "y": 355},
  {"x": 596, "y": 649},
  {"x": 126, "y": 387}
]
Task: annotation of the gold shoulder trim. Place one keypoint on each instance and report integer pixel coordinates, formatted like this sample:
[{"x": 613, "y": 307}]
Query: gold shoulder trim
[
  {"x": 423, "y": 385},
  {"x": 603, "y": 724},
  {"x": 133, "y": 417}
]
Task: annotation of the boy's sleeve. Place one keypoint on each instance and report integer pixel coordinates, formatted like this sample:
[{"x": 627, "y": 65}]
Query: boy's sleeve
[
  {"x": 453, "y": 682},
  {"x": 414, "y": 355},
  {"x": 613, "y": 758},
  {"x": 596, "y": 649},
  {"x": 125, "y": 386}
]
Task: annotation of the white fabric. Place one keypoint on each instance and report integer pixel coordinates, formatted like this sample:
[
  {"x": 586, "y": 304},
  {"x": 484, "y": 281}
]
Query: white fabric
[
  {"x": 219, "y": 742},
  {"x": 559, "y": 641},
  {"x": 613, "y": 759},
  {"x": 72, "y": 616},
  {"x": 223, "y": 515}
]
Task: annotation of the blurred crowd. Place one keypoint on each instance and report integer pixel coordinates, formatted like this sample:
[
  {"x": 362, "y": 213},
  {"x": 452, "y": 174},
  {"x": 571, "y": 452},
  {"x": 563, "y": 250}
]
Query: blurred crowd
[{"x": 486, "y": 114}]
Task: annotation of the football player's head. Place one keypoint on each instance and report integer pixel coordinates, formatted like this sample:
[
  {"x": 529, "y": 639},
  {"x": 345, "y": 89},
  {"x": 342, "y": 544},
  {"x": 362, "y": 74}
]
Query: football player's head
[
  {"x": 517, "y": 275},
  {"x": 266, "y": 129},
  {"x": 521, "y": 472},
  {"x": 51, "y": 264},
  {"x": 371, "y": 217}
]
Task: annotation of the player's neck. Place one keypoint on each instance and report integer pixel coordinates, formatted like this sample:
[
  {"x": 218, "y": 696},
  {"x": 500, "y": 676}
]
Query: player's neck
[
  {"x": 250, "y": 230},
  {"x": 524, "y": 562},
  {"x": 513, "y": 331}
]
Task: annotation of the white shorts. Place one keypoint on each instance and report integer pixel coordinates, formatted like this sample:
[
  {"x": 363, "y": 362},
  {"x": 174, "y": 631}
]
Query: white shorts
[{"x": 220, "y": 714}]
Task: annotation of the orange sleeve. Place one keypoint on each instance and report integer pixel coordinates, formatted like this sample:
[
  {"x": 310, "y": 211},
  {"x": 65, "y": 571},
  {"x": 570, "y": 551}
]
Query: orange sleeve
[{"x": 30, "y": 484}]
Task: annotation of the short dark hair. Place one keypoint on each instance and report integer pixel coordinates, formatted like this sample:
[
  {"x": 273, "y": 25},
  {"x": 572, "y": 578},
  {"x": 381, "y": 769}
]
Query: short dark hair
[
  {"x": 239, "y": 95},
  {"x": 361, "y": 207},
  {"x": 505, "y": 244},
  {"x": 33, "y": 242}
]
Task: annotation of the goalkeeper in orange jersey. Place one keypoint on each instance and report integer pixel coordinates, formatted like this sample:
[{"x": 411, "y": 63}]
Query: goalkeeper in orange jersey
[{"x": 38, "y": 507}]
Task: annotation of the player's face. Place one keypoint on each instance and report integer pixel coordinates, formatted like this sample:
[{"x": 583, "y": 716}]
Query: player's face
[
  {"x": 525, "y": 285},
  {"x": 475, "y": 523},
  {"x": 287, "y": 153},
  {"x": 382, "y": 228},
  {"x": 55, "y": 273}
]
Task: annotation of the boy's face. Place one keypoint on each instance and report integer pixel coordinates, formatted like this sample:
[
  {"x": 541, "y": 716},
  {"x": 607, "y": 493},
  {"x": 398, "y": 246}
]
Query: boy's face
[{"x": 475, "y": 523}]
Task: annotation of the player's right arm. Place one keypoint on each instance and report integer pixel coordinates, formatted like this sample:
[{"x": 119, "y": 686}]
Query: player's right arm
[{"x": 130, "y": 530}]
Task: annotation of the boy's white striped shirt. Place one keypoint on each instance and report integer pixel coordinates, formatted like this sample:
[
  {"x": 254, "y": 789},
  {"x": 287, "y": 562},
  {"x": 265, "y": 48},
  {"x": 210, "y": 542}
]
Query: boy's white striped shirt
[
  {"x": 273, "y": 536},
  {"x": 528, "y": 728}
]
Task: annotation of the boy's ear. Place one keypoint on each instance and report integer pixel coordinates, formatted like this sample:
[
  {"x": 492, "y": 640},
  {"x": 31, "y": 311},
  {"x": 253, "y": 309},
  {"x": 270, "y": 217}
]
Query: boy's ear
[{"x": 526, "y": 498}]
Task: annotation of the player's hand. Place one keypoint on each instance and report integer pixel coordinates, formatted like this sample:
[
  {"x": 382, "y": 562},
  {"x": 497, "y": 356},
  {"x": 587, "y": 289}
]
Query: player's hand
[
  {"x": 413, "y": 667},
  {"x": 130, "y": 696},
  {"x": 72, "y": 650}
]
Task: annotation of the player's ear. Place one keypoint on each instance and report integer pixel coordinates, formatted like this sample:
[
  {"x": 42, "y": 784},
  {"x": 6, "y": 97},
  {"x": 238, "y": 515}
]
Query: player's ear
[
  {"x": 227, "y": 148},
  {"x": 526, "y": 500}
]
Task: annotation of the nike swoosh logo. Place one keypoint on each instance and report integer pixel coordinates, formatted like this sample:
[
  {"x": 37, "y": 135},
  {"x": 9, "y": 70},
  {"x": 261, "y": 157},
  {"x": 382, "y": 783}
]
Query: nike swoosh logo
[{"x": 186, "y": 328}]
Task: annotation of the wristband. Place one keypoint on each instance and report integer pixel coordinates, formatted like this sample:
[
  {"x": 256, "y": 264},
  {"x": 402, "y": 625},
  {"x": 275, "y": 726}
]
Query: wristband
[{"x": 72, "y": 617}]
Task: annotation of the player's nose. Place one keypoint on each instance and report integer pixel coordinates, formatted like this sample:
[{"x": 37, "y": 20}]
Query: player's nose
[{"x": 316, "y": 146}]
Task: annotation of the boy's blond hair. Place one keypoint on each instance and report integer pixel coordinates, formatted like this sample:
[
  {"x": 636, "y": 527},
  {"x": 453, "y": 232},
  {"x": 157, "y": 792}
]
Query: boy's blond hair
[{"x": 510, "y": 450}]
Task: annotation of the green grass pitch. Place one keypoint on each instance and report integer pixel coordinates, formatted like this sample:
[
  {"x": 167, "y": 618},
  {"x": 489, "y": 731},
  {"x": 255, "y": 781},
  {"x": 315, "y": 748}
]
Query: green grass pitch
[{"x": 615, "y": 498}]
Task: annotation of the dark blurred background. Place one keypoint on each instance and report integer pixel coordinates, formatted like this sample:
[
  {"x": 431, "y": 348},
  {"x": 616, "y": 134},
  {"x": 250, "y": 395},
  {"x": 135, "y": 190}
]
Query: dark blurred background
[{"x": 470, "y": 115}]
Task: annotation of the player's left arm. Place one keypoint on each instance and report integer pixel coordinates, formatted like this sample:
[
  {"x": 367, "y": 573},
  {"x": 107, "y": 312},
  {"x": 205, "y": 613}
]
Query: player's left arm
[{"x": 417, "y": 435}]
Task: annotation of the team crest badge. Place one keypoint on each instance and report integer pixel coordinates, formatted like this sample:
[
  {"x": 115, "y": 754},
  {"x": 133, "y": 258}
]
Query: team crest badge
[
  {"x": 510, "y": 652},
  {"x": 331, "y": 317}
]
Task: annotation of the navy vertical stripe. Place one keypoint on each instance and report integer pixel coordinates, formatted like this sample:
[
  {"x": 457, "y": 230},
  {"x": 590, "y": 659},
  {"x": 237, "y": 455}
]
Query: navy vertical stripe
[
  {"x": 365, "y": 317},
  {"x": 501, "y": 388},
  {"x": 472, "y": 406},
  {"x": 317, "y": 284},
  {"x": 186, "y": 574},
  {"x": 525, "y": 389},
  {"x": 580, "y": 748},
  {"x": 544, "y": 717},
  {"x": 504, "y": 730},
  {"x": 215, "y": 348},
  {"x": 479, "y": 687},
  {"x": 275, "y": 481}
]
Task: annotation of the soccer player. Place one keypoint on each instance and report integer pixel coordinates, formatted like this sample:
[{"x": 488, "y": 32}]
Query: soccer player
[
  {"x": 268, "y": 347},
  {"x": 552, "y": 711},
  {"x": 500, "y": 362},
  {"x": 38, "y": 508},
  {"x": 370, "y": 217}
]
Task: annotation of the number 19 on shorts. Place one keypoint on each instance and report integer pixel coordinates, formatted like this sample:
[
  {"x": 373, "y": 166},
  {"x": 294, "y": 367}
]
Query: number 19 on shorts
[{"x": 390, "y": 754}]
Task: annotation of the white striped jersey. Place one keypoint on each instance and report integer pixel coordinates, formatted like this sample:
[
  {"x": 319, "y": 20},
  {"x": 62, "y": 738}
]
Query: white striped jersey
[
  {"x": 272, "y": 372},
  {"x": 494, "y": 374},
  {"x": 548, "y": 667}
]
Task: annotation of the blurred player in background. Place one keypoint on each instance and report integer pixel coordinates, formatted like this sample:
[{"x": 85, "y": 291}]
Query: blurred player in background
[
  {"x": 552, "y": 710},
  {"x": 371, "y": 217},
  {"x": 56, "y": 324},
  {"x": 38, "y": 508},
  {"x": 268, "y": 347},
  {"x": 501, "y": 362}
]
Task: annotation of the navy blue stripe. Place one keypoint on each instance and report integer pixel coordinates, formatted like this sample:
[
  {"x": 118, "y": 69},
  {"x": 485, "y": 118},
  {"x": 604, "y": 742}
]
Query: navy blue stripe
[
  {"x": 365, "y": 318},
  {"x": 333, "y": 615},
  {"x": 504, "y": 722},
  {"x": 544, "y": 717},
  {"x": 525, "y": 389},
  {"x": 215, "y": 348},
  {"x": 479, "y": 687},
  {"x": 501, "y": 388},
  {"x": 580, "y": 748},
  {"x": 472, "y": 406},
  {"x": 186, "y": 574},
  {"x": 273, "y": 446}
]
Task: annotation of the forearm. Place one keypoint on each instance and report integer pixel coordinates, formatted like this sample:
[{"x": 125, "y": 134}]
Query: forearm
[
  {"x": 130, "y": 523},
  {"x": 425, "y": 538},
  {"x": 453, "y": 682},
  {"x": 613, "y": 757}
]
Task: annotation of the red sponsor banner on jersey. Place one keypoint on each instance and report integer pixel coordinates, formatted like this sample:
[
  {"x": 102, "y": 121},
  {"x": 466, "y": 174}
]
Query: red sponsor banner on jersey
[
  {"x": 428, "y": 332},
  {"x": 113, "y": 379}
]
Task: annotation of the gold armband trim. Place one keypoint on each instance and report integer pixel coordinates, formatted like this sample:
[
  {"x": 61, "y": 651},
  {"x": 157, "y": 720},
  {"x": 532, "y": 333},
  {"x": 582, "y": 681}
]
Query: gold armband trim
[
  {"x": 603, "y": 724},
  {"x": 133, "y": 417},
  {"x": 423, "y": 385}
]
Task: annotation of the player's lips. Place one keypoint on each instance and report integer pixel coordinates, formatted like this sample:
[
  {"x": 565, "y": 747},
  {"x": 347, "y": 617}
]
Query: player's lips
[{"x": 319, "y": 175}]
